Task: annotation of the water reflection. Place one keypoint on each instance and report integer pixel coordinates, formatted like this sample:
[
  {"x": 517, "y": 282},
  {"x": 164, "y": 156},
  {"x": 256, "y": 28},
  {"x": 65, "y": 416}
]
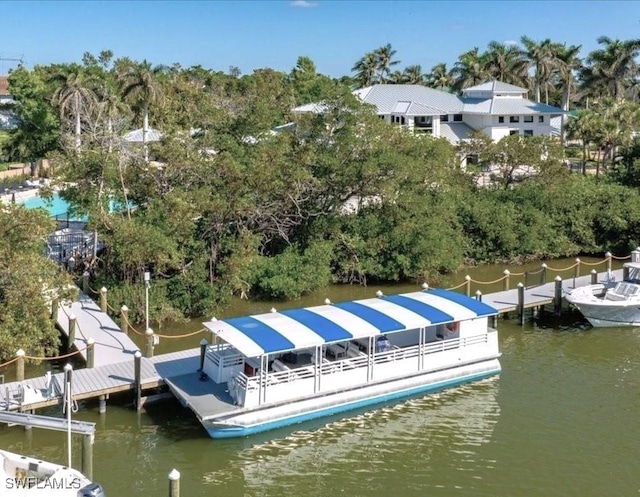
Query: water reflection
[{"x": 372, "y": 452}]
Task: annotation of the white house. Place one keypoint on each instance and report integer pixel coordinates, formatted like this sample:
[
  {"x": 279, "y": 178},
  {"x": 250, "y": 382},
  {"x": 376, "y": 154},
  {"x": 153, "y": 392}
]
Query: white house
[{"x": 498, "y": 109}]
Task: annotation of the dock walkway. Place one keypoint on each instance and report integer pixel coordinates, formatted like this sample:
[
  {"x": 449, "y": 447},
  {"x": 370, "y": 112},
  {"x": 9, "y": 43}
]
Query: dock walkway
[{"x": 114, "y": 362}]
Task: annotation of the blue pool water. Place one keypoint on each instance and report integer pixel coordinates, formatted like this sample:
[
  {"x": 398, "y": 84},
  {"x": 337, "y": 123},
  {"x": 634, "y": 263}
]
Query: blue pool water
[{"x": 56, "y": 207}]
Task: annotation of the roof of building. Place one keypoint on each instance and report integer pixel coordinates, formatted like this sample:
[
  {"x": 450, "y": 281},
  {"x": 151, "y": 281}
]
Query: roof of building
[
  {"x": 135, "y": 136},
  {"x": 385, "y": 97},
  {"x": 295, "y": 329},
  {"x": 455, "y": 132},
  {"x": 496, "y": 87}
]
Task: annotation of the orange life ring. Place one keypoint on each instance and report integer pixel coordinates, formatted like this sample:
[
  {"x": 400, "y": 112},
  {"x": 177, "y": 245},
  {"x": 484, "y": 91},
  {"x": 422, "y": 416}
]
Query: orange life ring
[{"x": 453, "y": 327}]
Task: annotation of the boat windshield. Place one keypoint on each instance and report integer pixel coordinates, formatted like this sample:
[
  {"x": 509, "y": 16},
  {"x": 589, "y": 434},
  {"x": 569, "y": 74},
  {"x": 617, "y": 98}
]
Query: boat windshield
[{"x": 634, "y": 275}]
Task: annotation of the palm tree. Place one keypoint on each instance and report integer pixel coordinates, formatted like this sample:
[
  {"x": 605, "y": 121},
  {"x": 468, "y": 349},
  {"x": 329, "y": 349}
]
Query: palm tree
[
  {"x": 365, "y": 70},
  {"x": 384, "y": 57},
  {"x": 505, "y": 63},
  {"x": 412, "y": 75},
  {"x": 440, "y": 77},
  {"x": 470, "y": 69},
  {"x": 587, "y": 128},
  {"x": 566, "y": 63},
  {"x": 540, "y": 57},
  {"x": 140, "y": 85},
  {"x": 613, "y": 67},
  {"x": 73, "y": 97}
]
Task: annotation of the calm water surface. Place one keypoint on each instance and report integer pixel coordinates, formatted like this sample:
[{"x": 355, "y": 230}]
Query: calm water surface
[{"x": 562, "y": 419}]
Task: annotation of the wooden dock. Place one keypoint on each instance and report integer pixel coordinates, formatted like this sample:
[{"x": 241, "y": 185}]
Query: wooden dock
[{"x": 113, "y": 369}]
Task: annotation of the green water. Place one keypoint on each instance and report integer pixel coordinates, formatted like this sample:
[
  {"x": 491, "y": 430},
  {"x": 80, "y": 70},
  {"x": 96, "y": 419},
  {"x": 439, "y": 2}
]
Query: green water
[{"x": 561, "y": 420}]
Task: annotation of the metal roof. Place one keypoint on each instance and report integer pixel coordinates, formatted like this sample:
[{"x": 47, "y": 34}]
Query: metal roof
[
  {"x": 455, "y": 132},
  {"x": 135, "y": 136},
  {"x": 385, "y": 97},
  {"x": 295, "y": 329},
  {"x": 496, "y": 86}
]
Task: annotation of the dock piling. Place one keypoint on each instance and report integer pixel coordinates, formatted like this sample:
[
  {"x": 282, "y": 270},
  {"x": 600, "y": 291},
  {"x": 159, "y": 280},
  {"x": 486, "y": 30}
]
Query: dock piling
[
  {"x": 103, "y": 299},
  {"x": 521, "y": 303},
  {"x": 124, "y": 320},
  {"x": 174, "y": 483},
  {"x": 543, "y": 274},
  {"x": 467, "y": 278},
  {"x": 608, "y": 256},
  {"x": 102, "y": 406},
  {"x": 137, "y": 357},
  {"x": 577, "y": 273},
  {"x": 557, "y": 295},
  {"x": 594, "y": 276},
  {"x": 479, "y": 295},
  {"x": 87, "y": 455},
  {"x": 148, "y": 341},
  {"x": 85, "y": 282},
  {"x": 505, "y": 284},
  {"x": 91, "y": 348},
  {"x": 20, "y": 365},
  {"x": 72, "y": 331}
]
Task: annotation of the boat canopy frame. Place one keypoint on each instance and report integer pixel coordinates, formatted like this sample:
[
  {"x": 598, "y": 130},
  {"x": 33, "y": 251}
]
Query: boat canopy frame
[{"x": 311, "y": 327}]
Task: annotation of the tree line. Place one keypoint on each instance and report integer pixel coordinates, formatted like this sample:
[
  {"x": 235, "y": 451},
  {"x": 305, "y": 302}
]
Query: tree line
[{"x": 222, "y": 205}]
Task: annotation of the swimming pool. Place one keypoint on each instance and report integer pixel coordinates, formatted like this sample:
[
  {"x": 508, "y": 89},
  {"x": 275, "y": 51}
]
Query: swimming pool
[{"x": 56, "y": 207}]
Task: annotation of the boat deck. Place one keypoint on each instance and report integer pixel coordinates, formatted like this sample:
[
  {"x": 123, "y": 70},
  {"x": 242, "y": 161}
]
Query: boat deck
[{"x": 201, "y": 394}]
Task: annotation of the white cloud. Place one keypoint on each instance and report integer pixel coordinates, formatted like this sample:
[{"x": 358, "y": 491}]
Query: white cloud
[
  {"x": 303, "y": 4},
  {"x": 510, "y": 42}
]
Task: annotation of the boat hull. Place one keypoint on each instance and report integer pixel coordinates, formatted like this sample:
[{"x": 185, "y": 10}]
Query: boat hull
[
  {"x": 602, "y": 313},
  {"x": 270, "y": 418}
]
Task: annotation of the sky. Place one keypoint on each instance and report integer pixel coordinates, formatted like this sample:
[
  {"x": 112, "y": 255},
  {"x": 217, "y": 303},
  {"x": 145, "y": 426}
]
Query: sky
[{"x": 252, "y": 34}]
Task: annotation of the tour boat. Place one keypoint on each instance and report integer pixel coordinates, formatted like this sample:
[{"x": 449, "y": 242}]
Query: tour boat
[
  {"x": 610, "y": 303},
  {"x": 22, "y": 476},
  {"x": 275, "y": 369}
]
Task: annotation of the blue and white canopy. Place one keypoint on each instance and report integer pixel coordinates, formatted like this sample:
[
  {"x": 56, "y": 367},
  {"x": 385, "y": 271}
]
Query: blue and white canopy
[{"x": 308, "y": 327}]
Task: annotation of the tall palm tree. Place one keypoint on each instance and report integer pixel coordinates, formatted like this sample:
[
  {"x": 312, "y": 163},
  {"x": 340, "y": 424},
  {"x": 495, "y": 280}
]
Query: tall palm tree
[
  {"x": 73, "y": 96},
  {"x": 140, "y": 85},
  {"x": 439, "y": 77},
  {"x": 384, "y": 57},
  {"x": 567, "y": 63},
  {"x": 412, "y": 75},
  {"x": 505, "y": 63},
  {"x": 365, "y": 70},
  {"x": 613, "y": 67},
  {"x": 587, "y": 128},
  {"x": 470, "y": 69},
  {"x": 541, "y": 59}
]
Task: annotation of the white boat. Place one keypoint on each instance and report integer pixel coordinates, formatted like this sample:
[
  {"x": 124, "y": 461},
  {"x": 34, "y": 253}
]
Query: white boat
[
  {"x": 610, "y": 303},
  {"x": 280, "y": 368},
  {"x": 22, "y": 476}
]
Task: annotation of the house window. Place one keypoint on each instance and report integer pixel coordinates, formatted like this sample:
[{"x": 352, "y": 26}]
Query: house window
[
  {"x": 528, "y": 132},
  {"x": 528, "y": 119},
  {"x": 457, "y": 118},
  {"x": 444, "y": 118},
  {"x": 513, "y": 132},
  {"x": 381, "y": 117},
  {"x": 540, "y": 119},
  {"x": 500, "y": 119},
  {"x": 402, "y": 120},
  {"x": 514, "y": 119}
]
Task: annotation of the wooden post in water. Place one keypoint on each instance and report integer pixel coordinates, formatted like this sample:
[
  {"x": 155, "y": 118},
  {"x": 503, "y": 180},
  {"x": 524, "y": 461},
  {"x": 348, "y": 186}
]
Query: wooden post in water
[
  {"x": 594, "y": 276},
  {"x": 137, "y": 358},
  {"x": 203, "y": 351},
  {"x": 87, "y": 455},
  {"x": 520, "y": 303},
  {"x": 72, "y": 331},
  {"x": 635, "y": 255},
  {"x": 467, "y": 278},
  {"x": 55, "y": 302},
  {"x": 124, "y": 320},
  {"x": 577, "y": 273},
  {"x": 479, "y": 295},
  {"x": 174, "y": 483},
  {"x": 85, "y": 282},
  {"x": 505, "y": 284},
  {"x": 557, "y": 295},
  {"x": 543, "y": 274},
  {"x": 148, "y": 341},
  {"x": 608, "y": 256},
  {"x": 103, "y": 299},
  {"x": 91, "y": 352},
  {"x": 102, "y": 406},
  {"x": 20, "y": 365}
]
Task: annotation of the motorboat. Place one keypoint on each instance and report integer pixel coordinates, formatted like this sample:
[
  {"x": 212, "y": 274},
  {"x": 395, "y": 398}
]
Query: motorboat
[
  {"x": 276, "y": 369},
  {"x": 23, "y": 476},
  {"x": 610, "y": 303}
]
